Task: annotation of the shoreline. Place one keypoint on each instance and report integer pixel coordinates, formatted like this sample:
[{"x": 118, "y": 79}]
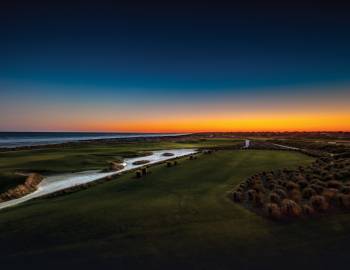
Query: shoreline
[{"x": 136, "y": 138}]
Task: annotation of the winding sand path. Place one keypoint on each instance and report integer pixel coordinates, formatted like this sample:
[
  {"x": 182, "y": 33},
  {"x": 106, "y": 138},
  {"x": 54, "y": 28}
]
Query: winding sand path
[
  {"x": 287, "y": 147},
  {"x": 62, "y": 181}
]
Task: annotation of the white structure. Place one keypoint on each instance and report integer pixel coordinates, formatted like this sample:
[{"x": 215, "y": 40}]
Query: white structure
[{"x": 247, "y": 143}]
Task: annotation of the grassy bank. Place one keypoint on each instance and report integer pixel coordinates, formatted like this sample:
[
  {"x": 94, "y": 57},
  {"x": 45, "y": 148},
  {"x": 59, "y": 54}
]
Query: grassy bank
[{"x": 175, "y": 217}]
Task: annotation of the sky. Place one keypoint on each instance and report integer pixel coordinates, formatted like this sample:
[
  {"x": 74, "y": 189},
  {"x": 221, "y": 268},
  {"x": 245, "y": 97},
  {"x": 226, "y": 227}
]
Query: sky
[{"x": 173, "y": 66}]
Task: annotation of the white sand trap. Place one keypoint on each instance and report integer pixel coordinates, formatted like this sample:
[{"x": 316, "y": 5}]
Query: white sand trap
[{"x": 62, "y": 181}]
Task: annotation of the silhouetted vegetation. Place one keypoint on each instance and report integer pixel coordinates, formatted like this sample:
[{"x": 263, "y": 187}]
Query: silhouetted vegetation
[{"x": 322, "y": 187}]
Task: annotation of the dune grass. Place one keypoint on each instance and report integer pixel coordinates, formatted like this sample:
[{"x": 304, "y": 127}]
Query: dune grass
[{"x": 173, "y": 218}]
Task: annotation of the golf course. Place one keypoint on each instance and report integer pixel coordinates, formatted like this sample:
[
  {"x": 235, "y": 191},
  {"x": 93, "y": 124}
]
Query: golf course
[{"x": 177, "y": 217}]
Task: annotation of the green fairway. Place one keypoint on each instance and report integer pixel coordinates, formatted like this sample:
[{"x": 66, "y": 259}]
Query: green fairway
[{"x": 174, "y": 218}]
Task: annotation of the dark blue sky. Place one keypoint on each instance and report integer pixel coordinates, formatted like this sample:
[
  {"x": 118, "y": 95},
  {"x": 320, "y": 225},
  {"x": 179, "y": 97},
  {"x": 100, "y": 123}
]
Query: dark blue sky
[
  {"x": 195, "y": 47},
  {"x": 183, "y": 46}
]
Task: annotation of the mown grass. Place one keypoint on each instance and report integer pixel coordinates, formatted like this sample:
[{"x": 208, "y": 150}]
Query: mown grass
[{"x": 174, "y": 218}]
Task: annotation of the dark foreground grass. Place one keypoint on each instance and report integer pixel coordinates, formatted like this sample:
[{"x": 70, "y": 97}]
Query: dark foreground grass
[{"x": 174, "y": 218}]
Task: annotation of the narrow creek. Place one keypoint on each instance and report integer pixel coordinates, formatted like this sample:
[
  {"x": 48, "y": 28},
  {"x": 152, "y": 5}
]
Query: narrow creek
[{"x": 58, "y": 182}]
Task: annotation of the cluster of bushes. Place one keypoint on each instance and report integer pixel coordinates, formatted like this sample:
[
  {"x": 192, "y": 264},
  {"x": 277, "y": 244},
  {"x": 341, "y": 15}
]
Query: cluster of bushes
[
  {"x": 283, "y": 194},
  {"x": 114, "y": 166},
  {"x": 30, "y": 184}
]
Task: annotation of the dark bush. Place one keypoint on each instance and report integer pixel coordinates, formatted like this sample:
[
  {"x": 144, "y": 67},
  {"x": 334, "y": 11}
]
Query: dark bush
[
  {"x": 319, "y": 189},
  {"x": 138, "y": 174},
  {"x": 259, "y": 200},
  {"x": 335, "y": 184},
  {"x": 308, "y": 192},
  {"x": 302, "y": 184},
  {"x": 345, "y": 190},
  {"x": 281, "y": 192},
  {"x": 344, "y": 200},
  {"x": 144, "y": 171},
  {"x": 317, "y": 182},
  {"x": 291, "y": 185},
  {"x": 274, "y": 198},
  {"x": 290, "y": 208},
  {"x": 273, "y": 210},
  {"x": 237, "y": 196},
  {"x": 251, "y": 194},
  {"x": 295, "y": 195},
  {"x": 319, "y": 203},
  {"x": 330, "y": 194},
  {"x": 308, "y": 210}
]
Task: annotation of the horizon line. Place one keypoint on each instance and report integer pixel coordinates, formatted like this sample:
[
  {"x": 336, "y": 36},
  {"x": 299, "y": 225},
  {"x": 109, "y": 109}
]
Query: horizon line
[{"x": 184, "y": 132}]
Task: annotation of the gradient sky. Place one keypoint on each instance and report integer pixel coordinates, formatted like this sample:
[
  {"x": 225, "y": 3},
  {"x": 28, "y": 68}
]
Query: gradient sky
[{"x": 162, "y": 67}]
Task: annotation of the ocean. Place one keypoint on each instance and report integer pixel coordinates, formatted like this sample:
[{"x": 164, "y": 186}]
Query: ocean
[{"x": 18, "y": 139}]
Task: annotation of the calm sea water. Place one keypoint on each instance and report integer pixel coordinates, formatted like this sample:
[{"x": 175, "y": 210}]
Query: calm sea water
[{"x": 16, "y": 139}]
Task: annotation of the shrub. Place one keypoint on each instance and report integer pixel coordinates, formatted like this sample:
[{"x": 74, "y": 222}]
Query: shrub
[
  {"x": 242, "y": 185},
  {"x": 258, "y": 187},
  {"x": 251, "y": 194},
  {"x": 274, "y": 198},
  {"x": 138, "y": 174},
  {"x": 345, "y": 190},
  {"x": 144, "y": 171},
  {"x": 290, "y": 208},
  {"x": 335, "y": 184},
  {"x": 239, "y": 189},
  {"x": 302, "y": 184},
  {"x": 280, "y": 192},
  {"x": 291, "y": 185},
  {"x": 114, "y": 166},
  {"x": 237, "y": 196},
  {"x": 344, "y": 200},
  {"x": 295, "y": 195},
  {"x": 317, "y": 182},
  {"x": 308, "y": 210},
  {"x": 301, "y": 168},
  {"x": 319, "y": 189},
  {"x": 258, "y": 200},
  {"x": 272, "y": 186},
  {"x": 168, "y": 164},
  {"x": 328, "y": 178},
  {"x": 330, "y": 194},
  {"x": 319, "y": 203},
  {"x": 273, "y": 210},
  {"x": 308, "y": 192}
]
